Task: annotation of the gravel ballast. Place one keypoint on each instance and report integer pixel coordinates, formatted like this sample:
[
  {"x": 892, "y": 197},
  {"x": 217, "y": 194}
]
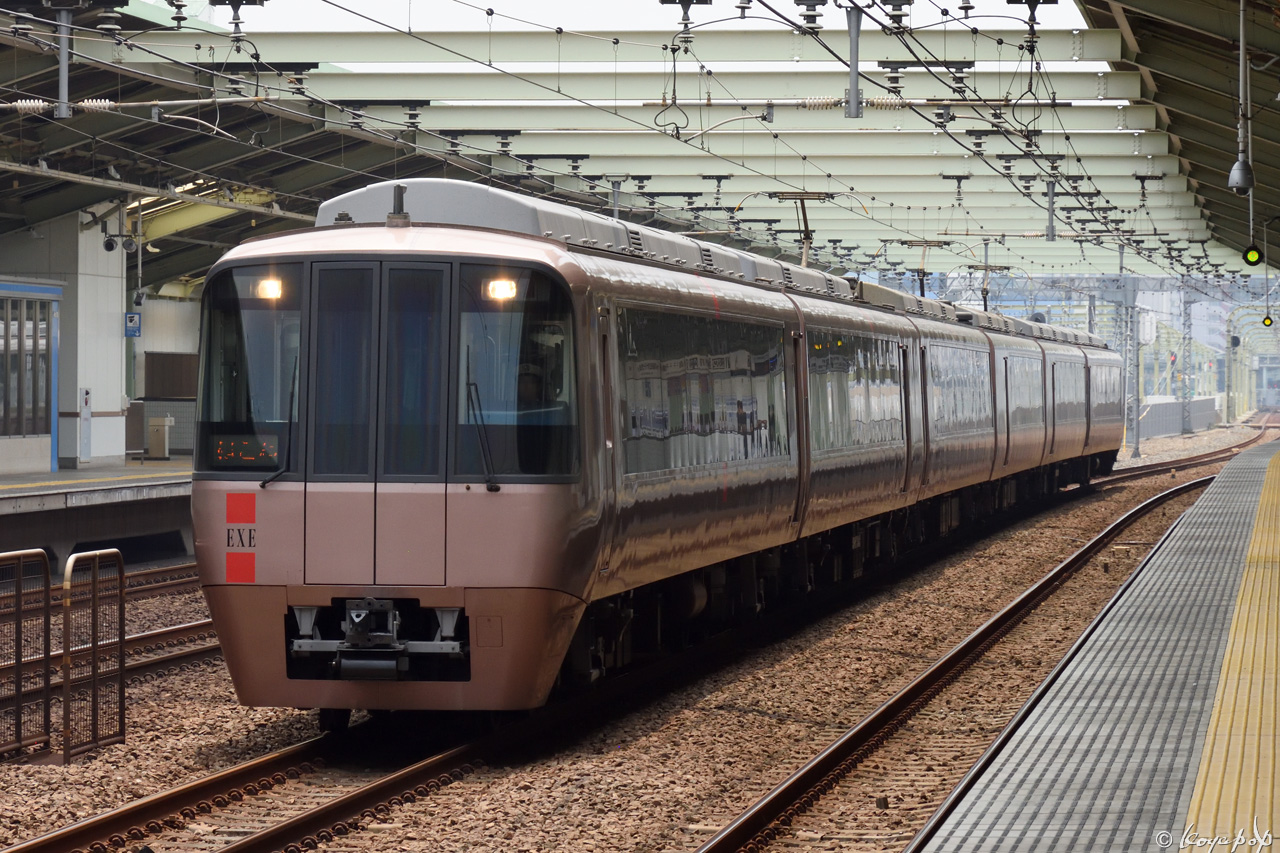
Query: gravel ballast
[{"x": 656, "y": 779}]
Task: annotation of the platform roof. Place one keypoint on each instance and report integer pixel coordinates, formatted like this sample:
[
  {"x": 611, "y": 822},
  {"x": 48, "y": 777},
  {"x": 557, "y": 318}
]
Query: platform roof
[{"x": 215, "y": 138}]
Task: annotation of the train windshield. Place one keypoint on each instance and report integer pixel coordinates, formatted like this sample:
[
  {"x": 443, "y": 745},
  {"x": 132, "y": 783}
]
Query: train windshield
[
  {"x": 353, "y": 380},
  {"x": 249, "y": 412},
  {"x": 516, "y": 407}
]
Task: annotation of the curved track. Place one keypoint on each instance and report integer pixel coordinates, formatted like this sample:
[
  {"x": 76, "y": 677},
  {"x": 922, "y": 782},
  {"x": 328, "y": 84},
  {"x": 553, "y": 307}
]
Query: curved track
[
  {"x": 763, "y": 821},
  {"x": 1269, "y": 422}
]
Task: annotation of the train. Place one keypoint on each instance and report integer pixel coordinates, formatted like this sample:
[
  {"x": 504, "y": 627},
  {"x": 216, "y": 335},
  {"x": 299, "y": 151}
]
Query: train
[{"x": 457, "y": 446}]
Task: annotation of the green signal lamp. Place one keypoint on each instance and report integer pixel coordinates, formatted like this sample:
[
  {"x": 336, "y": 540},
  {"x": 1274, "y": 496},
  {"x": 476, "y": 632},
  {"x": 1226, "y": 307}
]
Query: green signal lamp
[{"x": 1252, "y": 255}]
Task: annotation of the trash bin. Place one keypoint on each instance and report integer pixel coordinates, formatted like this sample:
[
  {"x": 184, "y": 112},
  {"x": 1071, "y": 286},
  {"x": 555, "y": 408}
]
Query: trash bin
[{"x": 158, "y": 437}]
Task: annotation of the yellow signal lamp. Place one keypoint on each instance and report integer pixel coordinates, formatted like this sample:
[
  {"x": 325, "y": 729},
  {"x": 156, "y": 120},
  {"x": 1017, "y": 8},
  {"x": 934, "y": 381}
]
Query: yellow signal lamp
[{"x": 1266, "y": 321}]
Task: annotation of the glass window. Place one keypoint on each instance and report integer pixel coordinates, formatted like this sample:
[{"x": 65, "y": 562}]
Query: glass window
[
  {"x": 700, "y": 390},
  {"x": 343, "y": 344},
  {"x": 8, "y": 383},
  {"x": 44, "y": 310},
  {"x": 1068, "y": 380},
  {"x": 414, "y": 343},
  {"x": 1026, "y": 391},
  {"x": 516, "y": 404},
  {"x": 28, "y": 395},
  {"x": 1108, "y": 396},
  {"x": 250, "y": 375},
  {"x": 959, "y": 390},
  {"x": 855, "y": 393}
]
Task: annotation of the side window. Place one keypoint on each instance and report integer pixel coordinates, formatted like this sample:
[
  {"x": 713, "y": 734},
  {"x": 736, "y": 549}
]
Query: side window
[
  {"x": 700, "y": 390},
  {"x": 855, "y": 395},
  {"x": 959, "y": 389}
]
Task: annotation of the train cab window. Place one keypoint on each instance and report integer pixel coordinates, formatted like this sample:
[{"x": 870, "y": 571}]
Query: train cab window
[
  {"x": 250, "y": 372},
  {"x": 517, "y": 411},
  {"x": 343, "y": 333},
  {"x": 413, "y": 334}
]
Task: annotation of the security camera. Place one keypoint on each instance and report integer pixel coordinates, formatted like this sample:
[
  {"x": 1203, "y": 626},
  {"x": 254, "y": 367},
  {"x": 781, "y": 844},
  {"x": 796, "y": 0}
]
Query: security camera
[
  {"x": 1240, "y": 181},
  {"x": 129, "y": 244},
  {"x": 137, "y": 299},
  {"x": 109, "y": 244}
]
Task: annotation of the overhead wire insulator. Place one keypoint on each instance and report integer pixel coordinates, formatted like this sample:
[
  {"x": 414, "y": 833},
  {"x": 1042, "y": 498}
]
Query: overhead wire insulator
[
  {"x": 30, "y": 106},
  {"x": 886, "y": 103},
  {"x": 97, "y": 105},
  {"x": 821, "y": 103}
]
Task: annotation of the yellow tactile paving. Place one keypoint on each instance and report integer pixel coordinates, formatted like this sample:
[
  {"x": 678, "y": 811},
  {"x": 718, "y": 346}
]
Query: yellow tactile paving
[
  {"x": 94, "y": 480},
  {"x": 1236, "y": 785}
]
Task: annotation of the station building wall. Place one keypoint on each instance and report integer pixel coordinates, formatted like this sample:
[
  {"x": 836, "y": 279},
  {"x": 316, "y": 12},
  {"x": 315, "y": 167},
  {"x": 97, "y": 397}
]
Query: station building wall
[{"x": 90, "y": 345}]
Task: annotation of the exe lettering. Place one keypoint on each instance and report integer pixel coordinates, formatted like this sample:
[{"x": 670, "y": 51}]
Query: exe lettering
[{"x": 242, "y": 537}]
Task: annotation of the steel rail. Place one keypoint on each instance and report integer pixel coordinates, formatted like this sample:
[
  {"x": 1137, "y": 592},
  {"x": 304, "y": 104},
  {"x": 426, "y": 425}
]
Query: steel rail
[
  {"x": 1208, "y": 458},
  {"x": 151, "y": 814},
  {"x": 984, "y": 761},
  {"x": 188, "y": 641},
  {"x": 758, "y": 824},
  {"x": 343, "y": 814},
  {"x": 137, "y": 584}
]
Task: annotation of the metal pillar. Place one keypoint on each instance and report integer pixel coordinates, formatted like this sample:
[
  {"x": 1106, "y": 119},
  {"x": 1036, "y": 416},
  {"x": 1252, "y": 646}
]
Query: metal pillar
[
  {"x": 63, "y": 108},
  {"x": 1184, "y": 389},
  {"x": 1231, "y": 363},
  {"x": 1133, "y": 400},
  {"x": 853, "y": 100}
]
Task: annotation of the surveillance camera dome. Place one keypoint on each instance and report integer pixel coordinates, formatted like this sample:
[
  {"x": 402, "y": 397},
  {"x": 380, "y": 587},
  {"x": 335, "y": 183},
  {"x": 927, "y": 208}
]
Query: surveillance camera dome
[
  {"x": 129, "y": 244},
  {"x": 1240, "y": 181},
  {"x": 109, "y": 244}
]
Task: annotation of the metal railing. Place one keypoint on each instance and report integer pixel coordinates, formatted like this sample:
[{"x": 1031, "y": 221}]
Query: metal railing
[
  {"x": 93, "y": 664},
  {"x": 26, "y": 625}
]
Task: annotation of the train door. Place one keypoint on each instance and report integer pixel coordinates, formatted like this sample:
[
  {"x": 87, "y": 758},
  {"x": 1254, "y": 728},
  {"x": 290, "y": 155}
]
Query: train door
[{"x": 375, "y": 492}]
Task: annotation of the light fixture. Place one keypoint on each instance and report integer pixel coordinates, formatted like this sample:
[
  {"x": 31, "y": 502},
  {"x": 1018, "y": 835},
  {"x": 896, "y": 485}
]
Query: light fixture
[
  {"x": 500, "y": 288},
  {"x": 268, "y": 288},
  {"x": 108, "y": 244}
]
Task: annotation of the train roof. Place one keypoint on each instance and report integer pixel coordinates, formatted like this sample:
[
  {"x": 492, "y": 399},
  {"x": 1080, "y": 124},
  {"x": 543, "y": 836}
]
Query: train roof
[{"x": 440, "y": 201}]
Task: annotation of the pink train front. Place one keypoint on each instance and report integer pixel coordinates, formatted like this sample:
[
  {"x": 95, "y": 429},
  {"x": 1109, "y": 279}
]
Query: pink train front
[{"x": 452, "y": 455}]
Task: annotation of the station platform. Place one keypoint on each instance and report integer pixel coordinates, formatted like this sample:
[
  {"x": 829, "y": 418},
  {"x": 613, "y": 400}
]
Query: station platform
[
  {"x": 1159, "y": 733},
  {"x": 97, "y": 483},
  {"x": 60, "y": 510}
]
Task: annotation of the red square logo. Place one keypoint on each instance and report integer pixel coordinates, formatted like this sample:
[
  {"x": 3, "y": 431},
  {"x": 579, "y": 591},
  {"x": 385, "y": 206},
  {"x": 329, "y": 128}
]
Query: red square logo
[
  {"x": 241, "y": 507},
  {"x": 240, "y": 566}
]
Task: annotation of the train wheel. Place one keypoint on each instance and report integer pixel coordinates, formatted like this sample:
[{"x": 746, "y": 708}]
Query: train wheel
[{"x": 335, "y": 719}]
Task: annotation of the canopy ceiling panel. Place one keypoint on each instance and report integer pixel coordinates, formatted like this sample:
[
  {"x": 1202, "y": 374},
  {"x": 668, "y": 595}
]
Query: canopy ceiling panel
[{"x": 971, "y": 144}]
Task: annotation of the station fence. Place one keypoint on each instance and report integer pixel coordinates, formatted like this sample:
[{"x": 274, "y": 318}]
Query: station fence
[{"x": 75, "y": 661}]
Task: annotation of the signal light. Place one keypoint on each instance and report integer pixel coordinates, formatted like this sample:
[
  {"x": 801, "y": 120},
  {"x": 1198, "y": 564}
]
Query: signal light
[
  {"x": 1252, "y": 255},
  {"x": 1173, "y": 357},
  {"x": 1266, "y": 321}
]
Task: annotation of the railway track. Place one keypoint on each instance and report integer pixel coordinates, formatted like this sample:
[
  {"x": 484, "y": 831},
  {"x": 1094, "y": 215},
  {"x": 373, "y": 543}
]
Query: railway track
[
  {"x": 770, "y": 817},
  {"x": 311, "y": 793},
  {"x": 1213, "y": 456},
  {"x": 146, "y": 655},
  {"x": 144, "y": 583}
]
